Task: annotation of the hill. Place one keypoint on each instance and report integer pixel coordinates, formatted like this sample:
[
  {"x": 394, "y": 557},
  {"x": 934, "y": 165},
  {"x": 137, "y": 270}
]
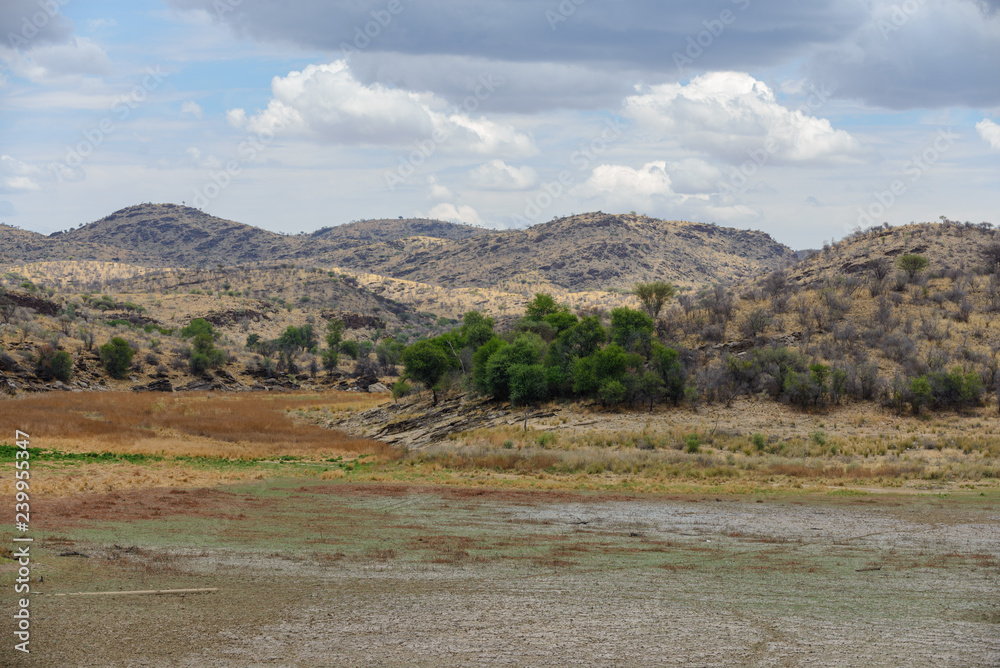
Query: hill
[
  {"x": 584, "y": 252},
  {"x": 170, "y": 235}
]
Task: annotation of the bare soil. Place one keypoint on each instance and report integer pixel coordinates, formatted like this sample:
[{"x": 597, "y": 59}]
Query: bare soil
[{"x": 341, "y": 574}]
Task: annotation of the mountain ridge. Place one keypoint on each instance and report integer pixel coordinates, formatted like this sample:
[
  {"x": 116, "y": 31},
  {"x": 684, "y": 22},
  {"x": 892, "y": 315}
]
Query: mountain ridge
[{"x": 581, "y": 252}]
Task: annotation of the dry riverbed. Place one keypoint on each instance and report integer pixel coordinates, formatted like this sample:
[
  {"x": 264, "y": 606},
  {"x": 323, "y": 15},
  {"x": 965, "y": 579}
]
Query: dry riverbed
[{"x": 324, "y": 573}]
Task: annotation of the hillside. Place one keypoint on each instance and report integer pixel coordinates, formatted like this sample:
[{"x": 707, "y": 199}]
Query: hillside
[
  {"x": 948, "y": 247},
  {"x": 585, "y": 252},
  {"x": 392, "y": 229},
  {"x": 170, "y": 235},
  {"x": 594, "y": 251}
]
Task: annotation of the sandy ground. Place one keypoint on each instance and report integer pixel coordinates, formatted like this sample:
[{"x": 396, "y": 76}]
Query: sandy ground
[{"x": 333, "y": 574}]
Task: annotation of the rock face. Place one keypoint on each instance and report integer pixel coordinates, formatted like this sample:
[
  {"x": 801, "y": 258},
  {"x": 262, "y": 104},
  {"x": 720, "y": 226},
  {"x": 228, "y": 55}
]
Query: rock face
[
  {"x": 418, "y": 423},
  {"x": 355, "y": 320},
  {"x": 161, "y": 385},
  {"x": 24, "y": 300}
]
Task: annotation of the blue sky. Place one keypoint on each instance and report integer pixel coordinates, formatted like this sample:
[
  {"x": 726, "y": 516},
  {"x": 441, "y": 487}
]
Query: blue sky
[{"x": 802, "y": 119}]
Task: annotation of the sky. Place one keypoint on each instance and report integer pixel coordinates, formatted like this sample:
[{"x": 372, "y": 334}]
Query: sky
[{"x": 803, "y": 118}]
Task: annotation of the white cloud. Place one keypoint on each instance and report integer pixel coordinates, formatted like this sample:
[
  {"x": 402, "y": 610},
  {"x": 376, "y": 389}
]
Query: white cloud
[
  {"x": 437, "y": 191},
  {"x": 460, "y": 214},
  {"x": 327, "y": 103},
  {"x": 78, "y": 57},
  {"x": 693, "y": 175},
  {"x": 191, "y": 107},
  {"x": 17, "y": 176},
  {"x": 498, "y": 175},
  {"x": 990, "y": 132},
  {"x": 729, "y": 113},
  {"x": 625, "y": 183},
  {"x": 236, "y": 118}
]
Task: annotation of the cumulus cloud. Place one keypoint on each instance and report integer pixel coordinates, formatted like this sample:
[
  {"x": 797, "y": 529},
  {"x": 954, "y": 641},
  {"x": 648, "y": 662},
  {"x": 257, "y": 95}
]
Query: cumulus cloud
[
  {"x": 16, "y": 176},
  {"x": 990, "y": 132},
  {"x": 628, "y": 183},
  {"x": 455, "y": 214},
  {"x": 730, "y": 113},
  {"x": 498, "y": 175},
  {"x": 191, "y": 107},
  {"x": 327, "y": 103}
]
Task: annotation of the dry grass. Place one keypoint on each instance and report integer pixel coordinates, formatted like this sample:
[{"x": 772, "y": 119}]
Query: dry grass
[{"x": 243, "y": 426}]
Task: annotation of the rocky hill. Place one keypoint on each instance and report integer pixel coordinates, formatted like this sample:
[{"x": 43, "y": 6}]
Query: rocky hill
[
  {"x": 585, "y": 252},
  {"x": 170, "y": 235},
  {"x": 948, "y": 247}
]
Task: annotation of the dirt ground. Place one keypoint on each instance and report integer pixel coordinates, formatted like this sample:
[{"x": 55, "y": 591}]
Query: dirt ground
[{"x": 340, "y": 574}]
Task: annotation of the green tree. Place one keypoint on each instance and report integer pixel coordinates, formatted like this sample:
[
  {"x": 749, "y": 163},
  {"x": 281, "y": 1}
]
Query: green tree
[
  {"x": 476, "y": 329},
  {"x": 334, "y": 335},
  {"x": 542, "y": 305},
  {"x": 653, "y": 296},
  {"x": 611, "y": 363},
  {"x": 426, "y": 363},
  {"x": 668, "y": 365},
  {"x": 921, "y": 393},
  {"x": 199, "y": 326},
  {"x": 524, "y": 351},
  {"x": 350, "y": 348},
  {"x": 612, "y": 392},
  {"x": 389, "y": 353},
  {"x": 631, "y": 329},
  {"x": 204, "y": 354},
  {"x": 528, "y": 384},
  {"x": 116, "y": 356},
  {"x": 651, "y": 387},
  {"x": 561, "y": 321},
  {"x": 912, "y": 264}
]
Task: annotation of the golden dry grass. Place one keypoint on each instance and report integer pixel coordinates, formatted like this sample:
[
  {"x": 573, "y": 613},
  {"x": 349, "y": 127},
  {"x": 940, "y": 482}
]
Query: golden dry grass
[{"x": 244, "y": 426}]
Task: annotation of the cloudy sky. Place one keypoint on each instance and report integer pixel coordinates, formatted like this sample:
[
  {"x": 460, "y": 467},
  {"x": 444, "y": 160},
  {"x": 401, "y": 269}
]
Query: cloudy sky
[{"x": 802, "y": 118}]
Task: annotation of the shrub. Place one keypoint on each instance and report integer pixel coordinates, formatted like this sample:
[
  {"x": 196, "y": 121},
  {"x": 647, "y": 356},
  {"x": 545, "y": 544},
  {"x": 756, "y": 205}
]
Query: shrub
[
  {"x": 54, "y": 364},
  {"x": 759, "y": 441},
  {"x": 350, "y": 348},
  {"x": 116, "y": 356},
  {"x": 205, "y": 355},
  {"x": 612, "y": 392},
  {"x": 692, "y": 443},
  {"x": 401, "y": 389},
  {"x": 912, "y": 264}
]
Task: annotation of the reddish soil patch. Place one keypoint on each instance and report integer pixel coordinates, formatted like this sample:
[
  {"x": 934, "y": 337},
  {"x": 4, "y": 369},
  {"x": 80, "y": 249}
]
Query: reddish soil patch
[{"x": 140, "y": 504}]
